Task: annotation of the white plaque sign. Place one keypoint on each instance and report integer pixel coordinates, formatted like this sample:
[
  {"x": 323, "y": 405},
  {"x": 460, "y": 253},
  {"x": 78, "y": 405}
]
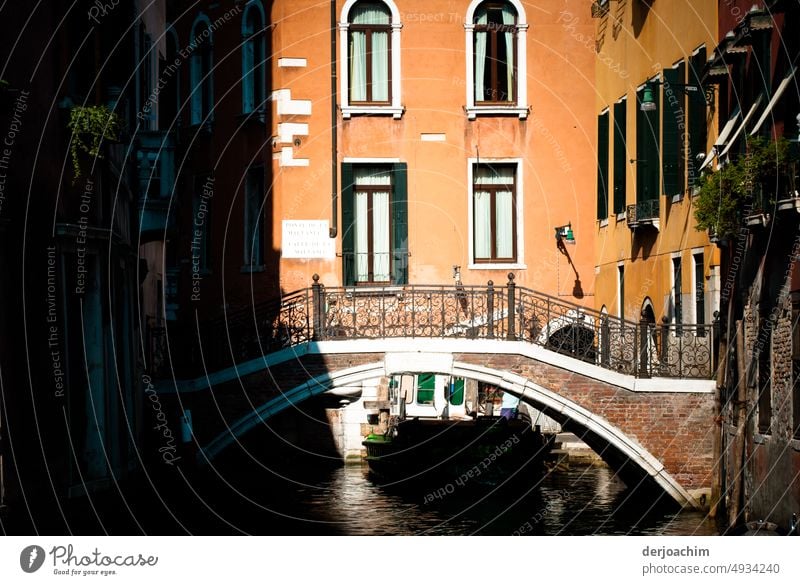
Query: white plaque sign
[{"x": 307, "y": 238}]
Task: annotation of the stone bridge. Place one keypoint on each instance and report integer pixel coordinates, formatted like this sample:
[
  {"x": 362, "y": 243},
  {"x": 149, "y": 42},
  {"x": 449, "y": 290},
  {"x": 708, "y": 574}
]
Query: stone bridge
[{"x": 617, "y": 384}]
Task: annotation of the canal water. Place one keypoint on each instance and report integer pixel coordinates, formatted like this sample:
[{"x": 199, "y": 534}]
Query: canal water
[
  {"x": 301, "y": 499},
  {"x": 579, "y": 501}
]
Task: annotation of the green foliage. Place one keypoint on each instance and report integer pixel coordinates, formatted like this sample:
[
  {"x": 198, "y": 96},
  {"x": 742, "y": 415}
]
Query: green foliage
[
  {"x": 90, "y": 126},
  {"x": 749, "y": 184}
]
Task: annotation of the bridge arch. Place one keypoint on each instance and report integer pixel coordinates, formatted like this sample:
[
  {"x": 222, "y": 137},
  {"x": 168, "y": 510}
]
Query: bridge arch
[{"x": 613, "y": 444}]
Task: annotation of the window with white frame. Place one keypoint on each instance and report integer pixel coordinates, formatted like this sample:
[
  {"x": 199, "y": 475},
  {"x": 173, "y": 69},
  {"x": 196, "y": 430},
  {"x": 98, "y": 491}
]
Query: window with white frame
[
  {"x": 494, "y": 213},
  {"x": 496, "y": 58},
  {"x": 677, "y": 291},
  {"x": 370, "y": 38},
  {"x": 372, "y": 193},
  {"x": 253, "y": 57},
  {"x": 699, "y": 292},
  {"x": 200, "y": 72}
]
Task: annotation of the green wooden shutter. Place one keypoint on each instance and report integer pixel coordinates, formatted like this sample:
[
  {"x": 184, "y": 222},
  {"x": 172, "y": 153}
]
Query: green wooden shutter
[
  {"x": 648, "y": 161},
  {"x": 673, "y": 119},
  {"x": 400, "y": 224},
  {"x": 620, "y": 155},
  {"x": 602, "y": 166},
  {"x": 348, "y": 227},
  {"x": 697, "y": 117}
]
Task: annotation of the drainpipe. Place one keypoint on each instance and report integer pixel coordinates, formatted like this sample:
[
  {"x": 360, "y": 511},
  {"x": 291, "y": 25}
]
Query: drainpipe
[{"x": 334, "y": 230}]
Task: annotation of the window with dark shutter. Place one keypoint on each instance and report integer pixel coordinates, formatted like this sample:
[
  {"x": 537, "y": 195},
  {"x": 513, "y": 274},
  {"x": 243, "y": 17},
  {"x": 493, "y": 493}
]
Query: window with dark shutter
[
  {"x": 672, "y": 142},
  {"x": 697, "y": 119},
  {"x": 602, "y": 166},
  {"x": 620, "y": 155},
  {"x": 648, "y": 161}
]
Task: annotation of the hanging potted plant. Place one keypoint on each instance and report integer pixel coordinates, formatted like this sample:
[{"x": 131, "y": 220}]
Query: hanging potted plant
[
  {"x": 90, "y": 126},
  {"x": 744, "y": 191}
]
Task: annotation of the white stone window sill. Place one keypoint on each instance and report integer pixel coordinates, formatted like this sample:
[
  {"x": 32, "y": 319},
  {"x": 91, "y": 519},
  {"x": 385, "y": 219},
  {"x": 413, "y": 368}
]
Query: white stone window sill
[
  {"x": 396, "y": 113},
  {"x": 795, "y": 444},
  {"x": 620, "y": 217},
  {"x": 498, "y": 266},
  {"x": 760, "y": 439},
  {"x": 474, "y": 111},
  {"x": 603, "y": 223}
]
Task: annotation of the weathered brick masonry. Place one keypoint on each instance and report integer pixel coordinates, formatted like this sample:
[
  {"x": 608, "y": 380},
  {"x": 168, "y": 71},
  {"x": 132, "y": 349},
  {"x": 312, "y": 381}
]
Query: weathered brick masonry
[{"x": 676, "y": 427}]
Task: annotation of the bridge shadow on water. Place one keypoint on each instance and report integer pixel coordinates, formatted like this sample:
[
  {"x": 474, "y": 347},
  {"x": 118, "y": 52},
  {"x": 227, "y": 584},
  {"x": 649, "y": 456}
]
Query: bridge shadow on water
[{"x": 287, "y": 479}]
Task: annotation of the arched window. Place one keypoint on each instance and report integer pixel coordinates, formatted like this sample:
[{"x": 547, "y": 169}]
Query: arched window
[
  {"x": 497, "y": 60},
  {"x": 200, "y": 71},
  {"x": 169, "y": 73},
  {"x": 253, "y": 57},
  {"x": 369, "y": 34}
]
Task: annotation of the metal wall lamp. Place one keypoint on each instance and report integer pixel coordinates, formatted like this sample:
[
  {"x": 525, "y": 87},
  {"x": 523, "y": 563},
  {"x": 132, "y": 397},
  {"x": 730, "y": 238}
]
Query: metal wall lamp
[
  {"x": 564, "y": 234},
  {"x": 648, "y": 103}
]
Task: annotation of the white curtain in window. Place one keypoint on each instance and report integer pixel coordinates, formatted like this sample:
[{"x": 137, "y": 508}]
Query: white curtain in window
[
  {"x": 509, "y": 18},
  {"x": 504, "y": 211},
  {"x": 488, "y": 175},
  {"x": 372, "y": 176},
  {"x": 358, "y": 66},
  {"x": 483, "y": 224},
  {"x": 380, "y": 236},
  {"x": 380, "y": 67},
  {"x": 369, "y": 13},
  {"x": 362, "y": 243},
  {"x": 480, "y": 56}
]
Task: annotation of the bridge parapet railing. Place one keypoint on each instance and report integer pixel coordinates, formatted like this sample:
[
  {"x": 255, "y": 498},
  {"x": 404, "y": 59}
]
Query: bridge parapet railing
[
  {"x": 411, "y": 311},
  {"x": 256, "y": 330},
  {"x": 467, "y": 311}
]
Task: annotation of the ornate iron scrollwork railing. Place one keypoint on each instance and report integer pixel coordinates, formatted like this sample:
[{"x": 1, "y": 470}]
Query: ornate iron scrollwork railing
[{"x": 467, "y": 311}]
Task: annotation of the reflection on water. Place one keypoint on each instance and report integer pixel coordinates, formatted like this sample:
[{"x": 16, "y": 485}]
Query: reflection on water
[{"x": 579, "y": 501}]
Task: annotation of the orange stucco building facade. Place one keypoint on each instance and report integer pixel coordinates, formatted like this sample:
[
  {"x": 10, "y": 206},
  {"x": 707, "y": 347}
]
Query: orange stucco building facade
[{"x": 489, "y": 168}]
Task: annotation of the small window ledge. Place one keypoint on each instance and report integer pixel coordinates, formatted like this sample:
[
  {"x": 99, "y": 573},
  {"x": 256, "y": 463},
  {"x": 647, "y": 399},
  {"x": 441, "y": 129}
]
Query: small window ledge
[
  {"x": 258, "y": 115},
  {"x": 621, "y": 217},
  {"x": 498, "y": 266},
  {"x": 395, "y": 112},
  {"x": 795, "y": 444},
  {"x": 760, "y": 438},
  {"x": 604, "y": 223},
  {"x": 252, "y": 268},
  {"x": 475, "y": 111},
  {"x": 677, "y": 198}
]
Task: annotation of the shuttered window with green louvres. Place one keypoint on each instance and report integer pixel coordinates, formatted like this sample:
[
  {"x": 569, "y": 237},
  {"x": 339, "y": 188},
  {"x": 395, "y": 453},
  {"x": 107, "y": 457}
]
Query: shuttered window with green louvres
[
  {"x": 602, "y": 166},
  {"x": 674, "y": 120},
  {"x": 620, "y": 155},
  {"x": 375, "y": 224},
  {"x": 698, "y": 129},
  {"x": 648, "y": 161}
]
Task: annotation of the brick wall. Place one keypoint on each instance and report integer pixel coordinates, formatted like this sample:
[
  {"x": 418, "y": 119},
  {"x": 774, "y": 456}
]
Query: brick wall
[{"x": 676, "y": 428}]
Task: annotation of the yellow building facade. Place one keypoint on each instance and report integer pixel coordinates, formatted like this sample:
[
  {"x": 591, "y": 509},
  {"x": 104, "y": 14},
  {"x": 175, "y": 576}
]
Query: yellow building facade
[{"x": 656, "y": 121}]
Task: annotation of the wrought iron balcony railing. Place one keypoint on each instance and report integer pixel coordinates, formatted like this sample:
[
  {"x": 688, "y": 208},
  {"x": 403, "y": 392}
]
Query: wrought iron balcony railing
[
  {"x": 643, "y": 213},
  {"x": 505, "y": 312}
]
